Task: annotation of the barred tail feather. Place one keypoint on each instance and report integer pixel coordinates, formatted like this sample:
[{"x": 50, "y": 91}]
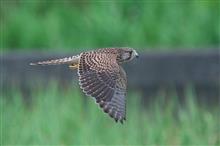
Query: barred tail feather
[{"x": 67, "y": 60}]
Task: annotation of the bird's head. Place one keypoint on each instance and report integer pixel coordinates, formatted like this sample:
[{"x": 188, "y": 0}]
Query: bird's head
[{"x": 127, "y": 54}]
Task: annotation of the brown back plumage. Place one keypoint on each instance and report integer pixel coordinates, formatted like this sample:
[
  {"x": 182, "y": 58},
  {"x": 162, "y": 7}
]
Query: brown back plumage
[{"x": 101, "y": 77}]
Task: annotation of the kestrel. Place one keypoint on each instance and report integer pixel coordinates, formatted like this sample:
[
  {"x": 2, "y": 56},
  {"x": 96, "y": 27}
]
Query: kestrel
[{"x": 102, "y": 77}]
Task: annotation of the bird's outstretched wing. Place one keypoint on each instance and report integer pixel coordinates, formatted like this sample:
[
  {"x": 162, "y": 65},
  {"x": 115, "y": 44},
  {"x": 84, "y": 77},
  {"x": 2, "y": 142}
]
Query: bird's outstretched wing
[{"x": 101, "y": 77}]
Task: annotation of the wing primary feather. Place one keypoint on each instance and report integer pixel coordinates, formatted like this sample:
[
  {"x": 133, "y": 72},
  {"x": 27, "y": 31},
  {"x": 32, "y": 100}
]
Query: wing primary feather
[{"x": 102, "y": 78}]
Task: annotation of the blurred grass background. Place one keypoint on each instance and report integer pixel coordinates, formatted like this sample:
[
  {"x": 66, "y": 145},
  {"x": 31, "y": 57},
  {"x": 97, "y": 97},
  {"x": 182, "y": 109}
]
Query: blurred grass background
[
  {"x": 64, "y": 117},
  {"x": 65, "y": 26},
  {"x": 59, "y": 117}
]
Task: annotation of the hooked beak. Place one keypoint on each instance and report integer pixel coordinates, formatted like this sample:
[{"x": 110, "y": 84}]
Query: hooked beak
[{"x": 136, "y": 54}]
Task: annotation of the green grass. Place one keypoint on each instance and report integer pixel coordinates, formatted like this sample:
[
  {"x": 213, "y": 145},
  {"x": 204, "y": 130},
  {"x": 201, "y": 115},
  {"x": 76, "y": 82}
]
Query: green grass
[
  {"x": 74, "y": 26},
  {"x": 58, "y": 117},
  {"x": 67, "y": 117}
]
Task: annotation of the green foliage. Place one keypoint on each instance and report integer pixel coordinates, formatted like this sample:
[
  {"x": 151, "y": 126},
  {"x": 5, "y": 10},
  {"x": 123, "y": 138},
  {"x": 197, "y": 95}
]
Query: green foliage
[
  {"x": 58, "y": 117},
  {"x": 48, "y": 25}
]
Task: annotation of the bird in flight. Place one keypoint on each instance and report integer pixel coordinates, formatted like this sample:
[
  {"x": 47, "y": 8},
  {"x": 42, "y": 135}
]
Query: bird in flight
[{"x": 102, "y": 77}]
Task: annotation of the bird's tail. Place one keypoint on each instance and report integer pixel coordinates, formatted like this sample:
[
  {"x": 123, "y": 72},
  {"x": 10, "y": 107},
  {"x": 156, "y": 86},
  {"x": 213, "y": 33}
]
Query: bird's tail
[{"x": 68, "y": 60}]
